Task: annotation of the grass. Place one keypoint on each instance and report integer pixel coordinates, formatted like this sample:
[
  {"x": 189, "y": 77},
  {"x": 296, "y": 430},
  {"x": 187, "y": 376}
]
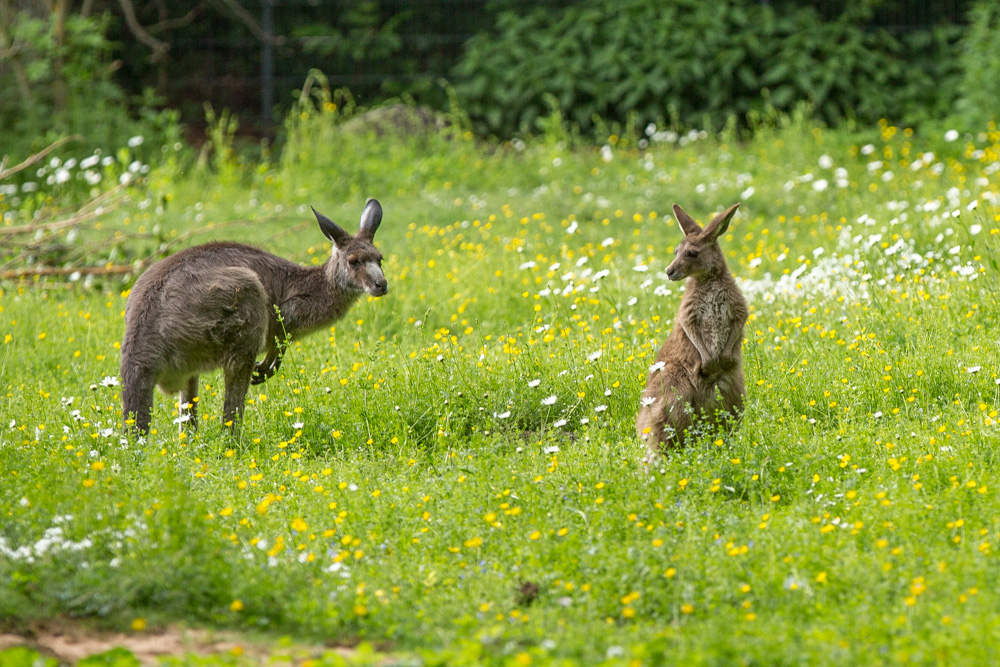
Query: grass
[{"x": 401, "y": 481}]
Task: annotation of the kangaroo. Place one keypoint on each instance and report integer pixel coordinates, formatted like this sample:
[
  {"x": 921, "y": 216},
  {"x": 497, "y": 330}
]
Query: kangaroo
[
  {"x": 698, "y": 371},
  {"x": 219, "y": 304}
]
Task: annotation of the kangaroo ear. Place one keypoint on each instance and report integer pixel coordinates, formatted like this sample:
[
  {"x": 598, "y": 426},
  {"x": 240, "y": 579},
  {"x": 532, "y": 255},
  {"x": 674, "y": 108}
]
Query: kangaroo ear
[
  {"x": 687, "y": 223},
  {"x": 331, "y": 230},
  {"x": 720, "y": 223},
  {"x": 371, "y": 217}
]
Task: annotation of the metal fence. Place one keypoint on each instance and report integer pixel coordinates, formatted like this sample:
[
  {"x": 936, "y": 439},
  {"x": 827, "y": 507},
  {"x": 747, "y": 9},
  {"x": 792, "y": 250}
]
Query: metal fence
[{"x": 235, "y": 69}]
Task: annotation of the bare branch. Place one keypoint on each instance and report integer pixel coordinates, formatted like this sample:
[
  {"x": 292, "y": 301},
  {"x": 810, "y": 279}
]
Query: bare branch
[
  {"x": 159, "y": 48},
  {"x": 4, "y": 173},
  {"x": 172, "y": 24},
  {"x": 114, "y": 269},
  {"x": 247, "y": 19}
]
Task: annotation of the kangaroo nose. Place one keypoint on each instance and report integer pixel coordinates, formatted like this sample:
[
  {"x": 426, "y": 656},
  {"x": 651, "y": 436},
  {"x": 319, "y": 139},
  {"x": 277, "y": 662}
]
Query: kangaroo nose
[{"x": 381, "y": 289}]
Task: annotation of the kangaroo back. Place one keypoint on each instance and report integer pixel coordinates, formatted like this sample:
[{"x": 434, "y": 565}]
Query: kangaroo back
[{"x": 219, "y": 305}]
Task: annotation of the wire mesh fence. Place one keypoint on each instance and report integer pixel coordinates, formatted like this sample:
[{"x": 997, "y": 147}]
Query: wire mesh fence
[{"x": 387, "y": 48}]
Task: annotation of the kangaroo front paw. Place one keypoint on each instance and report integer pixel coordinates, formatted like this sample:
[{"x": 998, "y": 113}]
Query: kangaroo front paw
[
  {"x": 261, "y": 373},
  {"x": 710, "y": 368}
]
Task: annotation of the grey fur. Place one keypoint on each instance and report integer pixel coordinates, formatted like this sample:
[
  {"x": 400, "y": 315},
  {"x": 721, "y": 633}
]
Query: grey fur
[
  {"x": 213, "y": 306},
  {"x": 702, "y": 368}
]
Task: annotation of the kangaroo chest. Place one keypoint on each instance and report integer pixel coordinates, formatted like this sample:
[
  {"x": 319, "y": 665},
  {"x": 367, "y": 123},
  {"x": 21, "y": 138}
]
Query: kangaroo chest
[{"x": 714, "y": 316}]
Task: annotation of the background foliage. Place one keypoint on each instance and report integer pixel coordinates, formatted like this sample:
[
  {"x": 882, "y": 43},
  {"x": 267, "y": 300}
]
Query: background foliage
[
  {"x": 68, "y": 67},
  {"x": 692, "y": 60}
]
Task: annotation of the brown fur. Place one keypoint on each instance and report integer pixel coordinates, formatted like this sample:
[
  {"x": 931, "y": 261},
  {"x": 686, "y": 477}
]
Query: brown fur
[
  {"x": 702, "y": 369},
  {"x": 213, "y": 306}
]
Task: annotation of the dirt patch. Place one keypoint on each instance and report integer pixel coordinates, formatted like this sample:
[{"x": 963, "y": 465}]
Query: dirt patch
[{"x": 69, "y": 643}]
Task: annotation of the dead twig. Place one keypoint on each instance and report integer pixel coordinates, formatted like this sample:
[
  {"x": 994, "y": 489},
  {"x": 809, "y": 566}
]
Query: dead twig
[
  {"x": 42, "y": 271},
  {"x": 4, "y": 173},
  {"x": 91, "y": 209}
]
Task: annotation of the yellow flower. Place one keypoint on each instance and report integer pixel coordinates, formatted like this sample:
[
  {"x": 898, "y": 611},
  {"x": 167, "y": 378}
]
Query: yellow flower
[{"x": 237, "y": 605}]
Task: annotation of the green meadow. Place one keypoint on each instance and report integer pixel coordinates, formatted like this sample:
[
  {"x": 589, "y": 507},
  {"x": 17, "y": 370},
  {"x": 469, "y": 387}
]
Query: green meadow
[{"x": 450, "y": 474}]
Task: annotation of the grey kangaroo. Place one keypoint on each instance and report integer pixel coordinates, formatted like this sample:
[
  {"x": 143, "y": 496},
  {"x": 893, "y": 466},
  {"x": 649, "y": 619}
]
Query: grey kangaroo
[
  {"x": 698, "y": 371},
  {"x": 218, "y": 304}
]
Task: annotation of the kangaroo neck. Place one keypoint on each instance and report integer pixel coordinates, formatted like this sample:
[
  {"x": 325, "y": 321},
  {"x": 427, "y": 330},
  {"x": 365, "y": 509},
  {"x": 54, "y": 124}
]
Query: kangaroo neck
[
  {"x": 709, "y": 281},
  {"x": 314, "y": 300}
]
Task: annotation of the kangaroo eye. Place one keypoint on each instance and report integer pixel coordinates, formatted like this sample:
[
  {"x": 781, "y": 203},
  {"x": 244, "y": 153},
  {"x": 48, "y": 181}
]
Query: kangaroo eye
[
  {"x": 692, "y": 253},
  {"x": 353, "y": 261}
]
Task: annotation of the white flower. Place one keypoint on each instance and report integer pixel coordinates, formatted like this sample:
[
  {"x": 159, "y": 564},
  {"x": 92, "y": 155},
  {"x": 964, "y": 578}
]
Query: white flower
[
  {"x": 551, "y": 449},
  {"x": 502, "y": 415},
  {"x": 607, "y": 242},
  {"x": 135, "y": 141},
  {"x": 549, "y": 400},
  {"x": 527, "y": 265},
  {"x": 640, "y": 268},
  {"x": 973, "y": 205},
  {"x": 88, "y": 162},
  {"x": 825, "y": 161},
  {"x": 594, "y": 356},
  {"x": 559, "y": 424},
  {"x": 572, "y": 227},
  {"x": 658, "y": 366},
  {"x": 600, "y": 408},
  {"x": 973, "y": 369},
  {"x": 951, "y": 135},
  {"x": 746, "y": 194},
  {"x": 647, "y": 401},
  {"x": 867, "y": 149},
  {"x": 298, "y": 425},
  {"x": 534, "y": 383},
  {"x": 110, "y": 381},
  {"x": 607, "y": 155},
  {"x": 820, "y": 185}
]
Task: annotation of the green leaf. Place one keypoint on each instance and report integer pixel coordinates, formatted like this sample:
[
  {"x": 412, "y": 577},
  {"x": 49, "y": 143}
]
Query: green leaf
[{"x": 116, "y": 657}]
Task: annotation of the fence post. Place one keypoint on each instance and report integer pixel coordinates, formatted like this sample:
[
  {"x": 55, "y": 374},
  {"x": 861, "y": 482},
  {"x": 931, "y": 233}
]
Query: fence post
[{"x": 267, "y": 65}]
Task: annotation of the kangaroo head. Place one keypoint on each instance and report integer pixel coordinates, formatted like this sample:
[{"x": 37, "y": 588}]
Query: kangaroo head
[
  {"x": 698, "y": 254},
  {"x": 355, "y": 263}
]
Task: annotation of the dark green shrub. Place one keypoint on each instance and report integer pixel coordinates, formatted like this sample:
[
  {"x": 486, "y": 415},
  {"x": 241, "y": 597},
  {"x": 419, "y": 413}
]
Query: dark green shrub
[
  {"x": 692, "y": 59},
  {"x": 58, "y": 81},
  {"x": 979, "y": 100}
]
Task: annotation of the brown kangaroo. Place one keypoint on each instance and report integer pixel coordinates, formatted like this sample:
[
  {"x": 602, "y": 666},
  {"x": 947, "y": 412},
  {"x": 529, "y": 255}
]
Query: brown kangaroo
[
  {"x": 698, "y": 371},
  {"x": 221, "y": 304}
]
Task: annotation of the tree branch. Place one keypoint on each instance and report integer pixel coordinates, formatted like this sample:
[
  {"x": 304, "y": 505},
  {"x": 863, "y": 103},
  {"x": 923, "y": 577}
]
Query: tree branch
[
  {"x": 4, "y": 173},
  {"x": 172, "y": 24},
  {"x": 159, "y": 48},
  {"x": 247, "y": 19}
]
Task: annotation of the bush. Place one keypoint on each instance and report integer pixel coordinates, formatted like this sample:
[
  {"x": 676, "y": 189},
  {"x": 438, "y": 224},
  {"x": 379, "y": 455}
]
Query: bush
[
  {"x": 980, "y": 60},
  {"x": 693, "y": 60},
  {"x": 58, "y": 79}
]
